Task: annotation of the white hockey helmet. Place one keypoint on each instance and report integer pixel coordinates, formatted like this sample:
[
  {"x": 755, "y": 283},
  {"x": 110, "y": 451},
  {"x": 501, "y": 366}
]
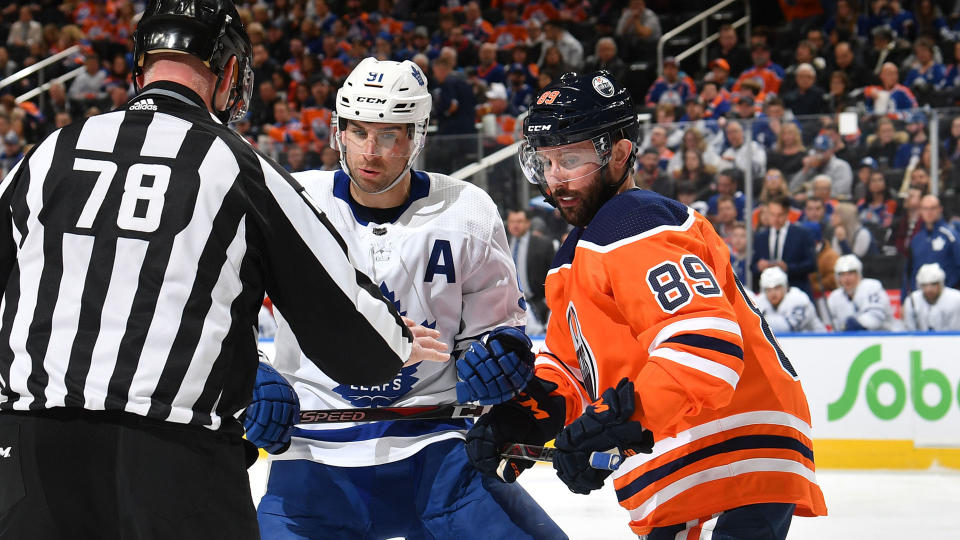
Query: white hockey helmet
[
  {"x": 848, "y": 263},
  {"x": 773, "y": 277},
  {"x": 930, "y": 273},
  {"x": 387, "y": 92}
]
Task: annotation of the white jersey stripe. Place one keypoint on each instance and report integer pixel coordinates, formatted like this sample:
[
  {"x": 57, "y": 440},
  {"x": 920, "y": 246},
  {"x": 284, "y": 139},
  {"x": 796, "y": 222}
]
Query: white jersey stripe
[
  {"x": 99, "y": 133},
  {"x": 729, "y": 423},
  {"x": 30, "y": 261},
  {"x": 165, "y": 136},
  {"x": 716, "y": 473},
  {"x": 215, "y": 328},
  {"x": 218, "y": 172},
  {"x": 694, "y": 325},
  {"x": 130, "y": 254},
  {"x": 699, "y": 363},
  {"x": 646, "y": 234},
  {"x": 77, "y": 250}
]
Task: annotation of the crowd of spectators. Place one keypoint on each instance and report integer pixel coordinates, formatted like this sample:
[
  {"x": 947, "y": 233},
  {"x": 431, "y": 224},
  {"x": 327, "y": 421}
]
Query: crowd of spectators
[{"x": 763, "y": 108}]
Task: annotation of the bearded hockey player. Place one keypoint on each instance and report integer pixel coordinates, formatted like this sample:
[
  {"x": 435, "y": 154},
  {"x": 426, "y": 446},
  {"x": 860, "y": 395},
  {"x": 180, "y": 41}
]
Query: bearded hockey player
[{"x": 652, "y": 347}]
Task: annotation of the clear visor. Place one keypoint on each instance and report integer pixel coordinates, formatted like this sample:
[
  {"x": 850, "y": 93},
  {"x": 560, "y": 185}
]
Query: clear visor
[
  {"x": 392, "y": 141},
  {"x": 561, "y": 164},
  {"x": 242, "y": 98}
]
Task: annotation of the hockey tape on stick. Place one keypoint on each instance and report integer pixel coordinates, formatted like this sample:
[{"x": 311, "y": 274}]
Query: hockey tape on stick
[
  {"x": 609, "y": 460},
  {"x": 428, "y": 412}
]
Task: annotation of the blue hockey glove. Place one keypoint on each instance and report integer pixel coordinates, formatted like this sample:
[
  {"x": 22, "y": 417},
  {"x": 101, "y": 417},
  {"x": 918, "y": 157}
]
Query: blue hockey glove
[
  {"x": 273, "y": 412},
  {"x": 533, "y": 417},
  {"x": 494, "y": 372},
  {"x": 852, "y": 324},
  {"x": 604, "y": 425}
]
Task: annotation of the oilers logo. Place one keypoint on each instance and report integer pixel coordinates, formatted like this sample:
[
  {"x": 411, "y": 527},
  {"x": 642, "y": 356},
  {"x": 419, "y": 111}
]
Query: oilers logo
[{"x": 603, "y": 86}]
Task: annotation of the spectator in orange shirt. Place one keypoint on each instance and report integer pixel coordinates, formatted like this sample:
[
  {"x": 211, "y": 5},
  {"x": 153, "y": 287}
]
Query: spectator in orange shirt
[
  {"x": 511, "y": 29},
  {"x": 286, "y": 130},
  {"x": 769, "y": 73},
  {"x": 475, "y": 26}
]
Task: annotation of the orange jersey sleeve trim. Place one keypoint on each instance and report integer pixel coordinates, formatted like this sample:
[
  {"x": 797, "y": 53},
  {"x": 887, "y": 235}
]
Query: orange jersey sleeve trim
[{"x": 550, "y": 368}]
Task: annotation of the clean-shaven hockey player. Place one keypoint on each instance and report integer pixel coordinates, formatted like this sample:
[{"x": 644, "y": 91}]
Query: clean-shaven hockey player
[
  {"x": 858, "y": 303},
  {"x": 787, "y": 309},
  {"x": 438, "y": 250},
  {"x": 934, "y": 307}
]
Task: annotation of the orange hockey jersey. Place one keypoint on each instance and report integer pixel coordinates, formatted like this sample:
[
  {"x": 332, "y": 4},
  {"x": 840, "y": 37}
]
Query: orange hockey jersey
[{"x": 646, "y": 291}]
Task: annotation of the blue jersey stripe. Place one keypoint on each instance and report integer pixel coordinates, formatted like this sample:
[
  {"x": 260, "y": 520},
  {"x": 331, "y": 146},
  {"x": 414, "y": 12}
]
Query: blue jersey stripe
[
  {"x": 746, "y": 442},
  {"x": 377, "y": 430},
  {"x": 708, "y": 342}
]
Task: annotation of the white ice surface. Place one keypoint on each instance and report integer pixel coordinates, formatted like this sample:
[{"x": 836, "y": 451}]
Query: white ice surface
[{"x": 874, "y": 505}]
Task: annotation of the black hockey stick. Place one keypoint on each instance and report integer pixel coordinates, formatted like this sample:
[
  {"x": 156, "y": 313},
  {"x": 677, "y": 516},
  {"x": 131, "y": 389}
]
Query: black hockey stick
[
  {"x": 426, "y": 412},
  {"x": 608, "y": 460}
]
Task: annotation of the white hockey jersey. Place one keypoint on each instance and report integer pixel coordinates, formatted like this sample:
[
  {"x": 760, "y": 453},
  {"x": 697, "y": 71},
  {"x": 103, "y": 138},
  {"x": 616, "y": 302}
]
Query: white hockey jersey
[
  {"x": 795, "y": 313},
  {"x": 445, "y": 263},
  {"x": 944, "y": 316},
  {"x": 870, "y": 306}
]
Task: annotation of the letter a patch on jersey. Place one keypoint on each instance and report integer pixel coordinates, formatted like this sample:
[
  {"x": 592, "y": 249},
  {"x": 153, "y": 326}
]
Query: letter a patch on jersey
[
  {"x": 441, "y": 262},
  {"x": 588, "y": 363}
]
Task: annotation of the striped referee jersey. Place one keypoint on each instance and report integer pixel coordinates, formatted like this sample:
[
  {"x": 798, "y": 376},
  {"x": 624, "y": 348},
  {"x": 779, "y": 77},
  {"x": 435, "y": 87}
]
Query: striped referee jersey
[{"x": 135, "y": 250}]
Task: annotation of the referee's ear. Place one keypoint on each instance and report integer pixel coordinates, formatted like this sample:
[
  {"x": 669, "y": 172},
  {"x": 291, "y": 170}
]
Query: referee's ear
[{"x": 221, "y": 94}]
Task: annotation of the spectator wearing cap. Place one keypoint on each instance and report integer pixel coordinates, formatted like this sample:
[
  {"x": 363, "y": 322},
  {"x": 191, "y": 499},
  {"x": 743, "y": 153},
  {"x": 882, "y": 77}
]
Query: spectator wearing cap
[
  {"x": 495, "y": 116},
  {"x": 822, "y": 161},
  {"x": 728, "y": 48},
  {"x": 741, "y": 153},
  {"x": 805, "y": 98},
  {"x": 672, "y": 86},
  {"x": 511, "y": 29},
  {"x": 650, "y": 176},
  {"x": 488, "y": 69},
  {"x": 519, "y": 93},
  {"x": 12, "y": 152},
  {"x": 925, "y": 72},
  {"x": 934, "y": 307},
  {"x": 605, "y": 57},
  {"x": 716, "y": 99},
  {"x": 889, "y": 97},
  {"x": 845, "y": 60},
  {"x": 909, "y": 153},
  {"x": 720, "y": 74},
  {"x": 764, "y": 69},
  {"x": 878, "y": 205},
  {"x": 556, "y": 34},
  {"x": 934, "y": 242}
]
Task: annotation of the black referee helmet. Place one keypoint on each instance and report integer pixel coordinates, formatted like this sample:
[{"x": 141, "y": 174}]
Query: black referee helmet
[{"x": 210, "y": 30}]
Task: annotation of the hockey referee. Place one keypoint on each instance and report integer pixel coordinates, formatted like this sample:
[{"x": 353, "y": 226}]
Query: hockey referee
[{"x": 135, "y": 250}]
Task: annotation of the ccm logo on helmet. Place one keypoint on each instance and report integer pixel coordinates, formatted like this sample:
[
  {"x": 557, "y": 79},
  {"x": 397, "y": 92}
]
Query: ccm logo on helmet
[
  {"x": 376, "y": 101},
  {"x": 545, "y": 127}
]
